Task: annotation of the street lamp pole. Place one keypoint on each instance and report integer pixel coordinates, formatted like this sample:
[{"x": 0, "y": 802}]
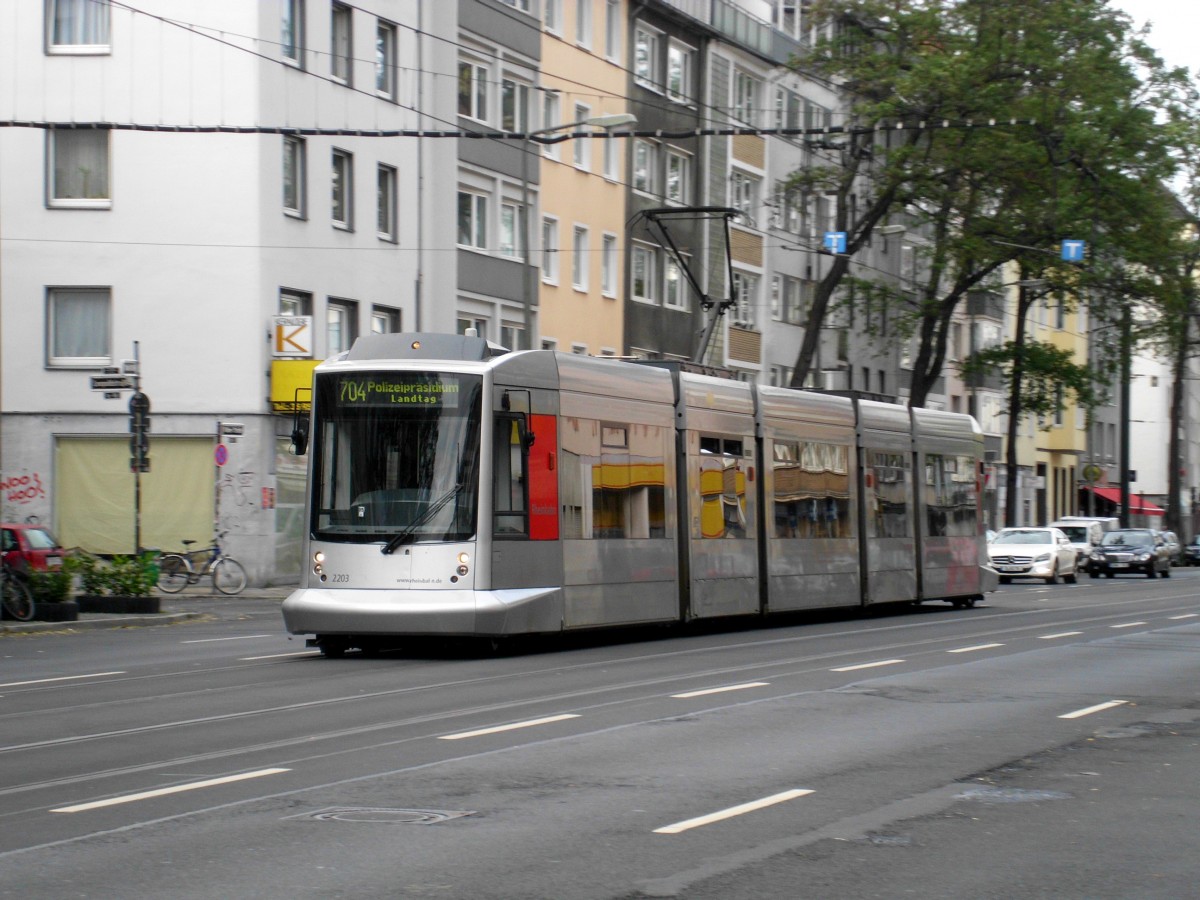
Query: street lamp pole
[{"x": 607, "y": 123}]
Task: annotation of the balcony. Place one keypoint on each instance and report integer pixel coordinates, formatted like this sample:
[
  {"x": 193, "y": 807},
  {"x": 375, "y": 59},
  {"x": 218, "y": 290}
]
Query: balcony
[{"x": 730, "y": 20}]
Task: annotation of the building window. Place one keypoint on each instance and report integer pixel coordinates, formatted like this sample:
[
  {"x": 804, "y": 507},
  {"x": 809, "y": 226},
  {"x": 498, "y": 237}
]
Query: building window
[
  {"x": 479, "y": 326},
  {"x": 294, "y": 194},
  {"x": 645, "y": 57},
  {"x": 679, "y": 177},
  {"x": 674, "y": 285},
  {"x": 608, "y": 266},
  {"x": 745, "y": 98},
  {"x": 385, "y": 190},
  {"x": 613, "y": 22},
  {"x": 582, "y": 147},
  {"x": 522, "y": 5},
  {"x": 340, "y": 326},
  {"x": 79, "y": 324},
  {"x": 510, "y": 336},
  {"x": 641, "y": 274},
  {"x": 385, "y": 60},
  {"x": 472, "y": 220},
  {"x": 342, "y": 189},
  {"x": 79, "y": 167},
  {"x": 579, "y": 258},
  {"x": 743, "y": 194},
  {"x": 472, "y": 91},
  {"x": 551, "y": 112},
  {"x": 512, "y": 230},
  {"x": 341, "y": 51},
  {"x": 583, "y": 23},
  {"x": 295, "y": 303},
  {"x": 612, "y": 159},
  {"x": 77, "y": 26},
  {"x": 550, "y": 250},
  {"x": 745, "y": 299},
  {"x": 514, "y": 101},
  {"x": 291, "y": 39},
  {"x": 384, "y": 320},
  {"x": 680, "y": 67},
  {"x": 644, "y": 164},
  {"x": 553, "y": 16}
]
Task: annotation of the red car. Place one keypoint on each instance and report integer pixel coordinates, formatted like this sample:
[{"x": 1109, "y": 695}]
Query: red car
[{"x": 26, "y": 547}]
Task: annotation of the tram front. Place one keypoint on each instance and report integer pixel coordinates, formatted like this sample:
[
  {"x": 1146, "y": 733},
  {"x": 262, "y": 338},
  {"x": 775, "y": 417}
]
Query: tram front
[{"x": 392, "y": 519}]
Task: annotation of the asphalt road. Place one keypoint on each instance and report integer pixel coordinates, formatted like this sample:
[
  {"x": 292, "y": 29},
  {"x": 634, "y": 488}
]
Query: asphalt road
[{"x": 1042, "y": 744}]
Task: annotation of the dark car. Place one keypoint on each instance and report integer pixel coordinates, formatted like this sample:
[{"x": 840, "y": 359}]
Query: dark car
[
  {"x": 1191, "y": 552},
  {"x": 29, "y": 547},
  {"x": 1132, "y": 551}
]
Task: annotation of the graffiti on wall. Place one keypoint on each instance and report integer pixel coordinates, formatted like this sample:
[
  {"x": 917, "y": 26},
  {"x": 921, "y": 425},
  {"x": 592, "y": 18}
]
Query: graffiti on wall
[
  {"x": 23, "y": 489},
  {"x": 238, "y": 501}
]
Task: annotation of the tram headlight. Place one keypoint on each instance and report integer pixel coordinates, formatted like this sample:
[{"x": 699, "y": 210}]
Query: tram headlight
[
  {"x": 319, "y": 557},
  {"x": 462, "y": 570},
  {"x": 464, "y": 557}
]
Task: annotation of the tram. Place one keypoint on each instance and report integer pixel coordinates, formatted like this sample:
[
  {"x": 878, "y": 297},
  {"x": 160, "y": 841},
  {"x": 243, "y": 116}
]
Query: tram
[{"x": 457, "y": 489}]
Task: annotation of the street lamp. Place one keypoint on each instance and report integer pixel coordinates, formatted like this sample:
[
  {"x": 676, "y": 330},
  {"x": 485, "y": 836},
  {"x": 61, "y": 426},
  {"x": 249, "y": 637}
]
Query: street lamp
[{"x": 616, "y": 120}]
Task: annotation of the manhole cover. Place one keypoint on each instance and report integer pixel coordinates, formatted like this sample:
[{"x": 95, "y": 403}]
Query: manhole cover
[{"x": 378, "y": 816}]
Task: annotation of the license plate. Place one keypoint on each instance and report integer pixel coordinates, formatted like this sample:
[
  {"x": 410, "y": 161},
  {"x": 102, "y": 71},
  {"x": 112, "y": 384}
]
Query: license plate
[
  {"x": 1119, "y": 565},
  {"x": 1012, "y": 568},
  {"x": 53, "y": 562}
]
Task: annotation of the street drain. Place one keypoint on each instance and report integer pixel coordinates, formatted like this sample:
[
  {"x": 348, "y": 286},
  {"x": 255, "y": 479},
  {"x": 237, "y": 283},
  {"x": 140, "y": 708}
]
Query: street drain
[
  {"x": 1009, "y": 795},
  {"x": 378, "y": 816}
]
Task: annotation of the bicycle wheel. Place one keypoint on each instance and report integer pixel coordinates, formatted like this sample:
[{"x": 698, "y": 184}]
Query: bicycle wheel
[
  {"x": 18, "y": 602},
  {"x": 228, "y": 575},
  {"x": 172, "y": 573}
]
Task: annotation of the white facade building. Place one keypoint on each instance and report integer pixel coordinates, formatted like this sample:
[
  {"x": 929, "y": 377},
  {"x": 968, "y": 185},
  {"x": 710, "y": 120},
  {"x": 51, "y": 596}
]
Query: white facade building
[{"x": 188, "y": 244}]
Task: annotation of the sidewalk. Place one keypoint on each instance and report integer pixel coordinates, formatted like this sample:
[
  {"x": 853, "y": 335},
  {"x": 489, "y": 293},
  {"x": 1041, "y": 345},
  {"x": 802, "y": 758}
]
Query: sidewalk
[{"x": 193, "y": 602}]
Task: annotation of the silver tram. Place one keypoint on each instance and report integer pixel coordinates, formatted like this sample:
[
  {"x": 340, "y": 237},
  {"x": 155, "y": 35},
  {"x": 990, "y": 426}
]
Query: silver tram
[{"x": 459, "y": 490}]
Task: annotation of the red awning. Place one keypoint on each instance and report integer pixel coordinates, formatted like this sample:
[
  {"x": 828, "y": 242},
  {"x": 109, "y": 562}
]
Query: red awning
[{"x": 1137, "y": 504}]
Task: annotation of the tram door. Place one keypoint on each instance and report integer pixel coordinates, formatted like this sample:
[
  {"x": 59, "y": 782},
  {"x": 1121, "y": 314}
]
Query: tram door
[{"x": 888, "y": 529}]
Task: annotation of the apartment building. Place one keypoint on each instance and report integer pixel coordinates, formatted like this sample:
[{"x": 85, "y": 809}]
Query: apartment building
[{"x": 226, "y": 218}]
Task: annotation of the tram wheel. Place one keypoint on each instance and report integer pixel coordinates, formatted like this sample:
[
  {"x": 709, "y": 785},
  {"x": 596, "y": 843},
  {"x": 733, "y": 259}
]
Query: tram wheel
[{"x": 332, "y": 647}]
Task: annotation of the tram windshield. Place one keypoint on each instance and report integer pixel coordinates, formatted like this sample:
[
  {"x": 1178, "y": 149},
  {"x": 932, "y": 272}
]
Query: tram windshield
[{"x": 396, "y": 456}]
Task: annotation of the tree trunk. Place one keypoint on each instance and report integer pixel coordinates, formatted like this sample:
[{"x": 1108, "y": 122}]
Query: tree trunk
[
  {"x": 1014, "y": 407},
  {"x": 1174, "y": 458}
]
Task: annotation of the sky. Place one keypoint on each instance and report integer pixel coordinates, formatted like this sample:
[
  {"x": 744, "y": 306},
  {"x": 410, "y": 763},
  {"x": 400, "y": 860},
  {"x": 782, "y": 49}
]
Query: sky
[{"x": 1175, "y": 25}]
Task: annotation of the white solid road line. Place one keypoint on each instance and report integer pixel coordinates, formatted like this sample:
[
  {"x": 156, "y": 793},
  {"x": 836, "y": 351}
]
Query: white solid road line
[
  {"x": 1099, "y": 707},
  {"x": 313, "y": 653},
  {"x": 882, "y": 662},
  {"x": 976, "y": 647},
  {"x": 720, "y": 690},
  {"x": 732, "y": 811},
  {"x": 515, "y": 725},
  {"x": 162, "y": 792},
  {"x": 240, "y": 637},
  {"x": 59, "y": 678}
]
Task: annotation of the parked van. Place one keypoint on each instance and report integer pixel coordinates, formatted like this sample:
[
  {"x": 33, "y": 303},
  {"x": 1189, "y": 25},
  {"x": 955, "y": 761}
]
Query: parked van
[{"x": 1085, "y": 533}]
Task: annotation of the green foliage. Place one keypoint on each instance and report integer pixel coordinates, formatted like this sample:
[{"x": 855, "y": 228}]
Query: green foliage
[
  {"x": 1046, "y": 374},
  {"x": 52, "y": 586},
  {"x": 123, "y": 576}
]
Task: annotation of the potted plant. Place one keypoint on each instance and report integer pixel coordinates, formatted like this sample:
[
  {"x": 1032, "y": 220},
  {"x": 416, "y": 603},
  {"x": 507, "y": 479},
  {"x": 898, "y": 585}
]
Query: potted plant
[
  {"x": 51, "y": 589},
  {"x": 125, "y": 584}
]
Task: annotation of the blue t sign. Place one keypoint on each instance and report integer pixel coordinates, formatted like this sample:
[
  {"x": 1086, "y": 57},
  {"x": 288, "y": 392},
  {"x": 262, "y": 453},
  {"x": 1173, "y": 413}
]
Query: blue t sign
[
  {"x": 1072, "y": 251},
  {"x": 835, "y": 241}
]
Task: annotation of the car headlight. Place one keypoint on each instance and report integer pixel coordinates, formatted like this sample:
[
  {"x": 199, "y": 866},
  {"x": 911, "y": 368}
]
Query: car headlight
[
  {"x": 1143, "y": 555},
  {"x": 1044, "y": 557}
]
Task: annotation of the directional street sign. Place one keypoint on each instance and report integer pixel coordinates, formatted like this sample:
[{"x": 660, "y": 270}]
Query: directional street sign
[
  {"x": 835, "y": 241},
  {"x": 112, "y": 382}
]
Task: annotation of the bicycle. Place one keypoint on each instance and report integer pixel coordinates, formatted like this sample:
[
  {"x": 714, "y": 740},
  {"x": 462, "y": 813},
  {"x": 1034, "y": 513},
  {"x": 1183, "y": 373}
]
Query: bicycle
[
  {"x": 15, "y": 596},
  {"x": 177, "y": 570}
]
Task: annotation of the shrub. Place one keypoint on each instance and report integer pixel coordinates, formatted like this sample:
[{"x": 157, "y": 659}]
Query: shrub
[
  {"x": 123, "y": 576},
  {"x": 53, "y": 586}
]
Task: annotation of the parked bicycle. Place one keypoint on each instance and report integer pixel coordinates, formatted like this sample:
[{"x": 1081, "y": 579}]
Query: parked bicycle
[
  {"x": 177, "y": 570},
  {"x": 15, "y": 595}
]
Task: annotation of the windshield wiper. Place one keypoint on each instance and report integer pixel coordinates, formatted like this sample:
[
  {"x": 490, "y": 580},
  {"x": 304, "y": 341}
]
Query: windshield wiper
[{"x": 406, "y": 534}]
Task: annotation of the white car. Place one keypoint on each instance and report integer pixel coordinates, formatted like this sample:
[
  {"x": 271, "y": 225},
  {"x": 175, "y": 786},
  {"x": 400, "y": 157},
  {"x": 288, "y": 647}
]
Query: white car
[{"x": 1044, "y": 553}]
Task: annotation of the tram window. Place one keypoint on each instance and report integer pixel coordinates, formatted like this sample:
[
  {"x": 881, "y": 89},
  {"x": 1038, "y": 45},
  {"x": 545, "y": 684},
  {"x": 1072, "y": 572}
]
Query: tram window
[
  {"x": 950, "y": 495},
  {"x": 722, "y": 480},
  {"x": 888, "y": 484},
  {"x": 509, "y": 495},
  {"x": 811, "y": 490},
  {"x": 612, "y": 480}
]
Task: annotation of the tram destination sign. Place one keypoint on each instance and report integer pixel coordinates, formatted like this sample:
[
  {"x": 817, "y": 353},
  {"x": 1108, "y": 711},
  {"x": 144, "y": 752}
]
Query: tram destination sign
[{"x": 397, "y": 390}]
